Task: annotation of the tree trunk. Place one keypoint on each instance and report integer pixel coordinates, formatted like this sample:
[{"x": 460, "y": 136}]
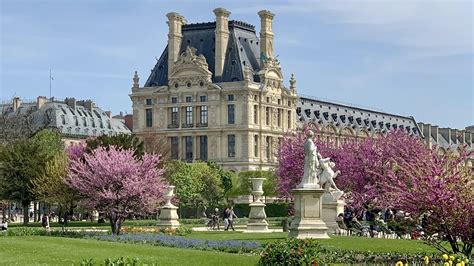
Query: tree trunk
[
  {"x": 115, "y": 223},
  {"x": 35, "y": 211},
  {"x": 26, "y": 214}
]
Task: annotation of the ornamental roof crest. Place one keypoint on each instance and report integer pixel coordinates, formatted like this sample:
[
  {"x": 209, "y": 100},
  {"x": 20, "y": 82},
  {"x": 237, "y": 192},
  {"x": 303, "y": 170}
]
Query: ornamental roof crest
[{"x": 190, "y": 66}]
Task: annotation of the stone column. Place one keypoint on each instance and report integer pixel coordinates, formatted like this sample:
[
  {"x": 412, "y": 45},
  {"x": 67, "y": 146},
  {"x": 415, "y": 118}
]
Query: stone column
[
  {"x": 257, "y": 217},
  {"x": 168, "y": 217},
  {"x": 307, "y": 222}
]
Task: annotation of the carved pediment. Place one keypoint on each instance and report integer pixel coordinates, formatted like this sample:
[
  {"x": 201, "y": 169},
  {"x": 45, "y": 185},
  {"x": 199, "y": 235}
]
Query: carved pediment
[
  {"x": 190, "y": 69},
  {"x": 271, "y": 75}
]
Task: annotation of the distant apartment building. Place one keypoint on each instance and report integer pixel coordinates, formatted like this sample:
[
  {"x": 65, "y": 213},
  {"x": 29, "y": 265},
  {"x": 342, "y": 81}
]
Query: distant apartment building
[{"x": 74, "y": 120}]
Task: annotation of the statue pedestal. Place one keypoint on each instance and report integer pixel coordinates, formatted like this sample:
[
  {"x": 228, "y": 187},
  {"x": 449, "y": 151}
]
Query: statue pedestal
[
  {"x": 257, "y": 217},
  {"x": 332, "y": 208},
  {"x": 168, "y": 217},
  {"x": 307, "y": 222}
]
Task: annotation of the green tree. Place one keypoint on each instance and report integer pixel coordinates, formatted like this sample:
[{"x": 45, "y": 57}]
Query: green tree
[
  {"x": 197, "y": 184},
  {"x": 226, "y": 177},
  {"x": 24, "y": 160},
  {"x": 123, "y": 141},
  {"x": 50, "y": 186}
]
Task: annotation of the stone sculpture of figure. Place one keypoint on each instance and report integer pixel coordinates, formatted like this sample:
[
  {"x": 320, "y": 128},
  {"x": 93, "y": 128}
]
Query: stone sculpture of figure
[
  {"x": 311, "y": 163},
  {"x": 326, "y": 179}
]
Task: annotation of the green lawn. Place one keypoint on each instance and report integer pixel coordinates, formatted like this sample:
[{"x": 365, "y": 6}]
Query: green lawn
[
  {"x": 37, "y": 250},
  {"x": 344, "y": 242}
]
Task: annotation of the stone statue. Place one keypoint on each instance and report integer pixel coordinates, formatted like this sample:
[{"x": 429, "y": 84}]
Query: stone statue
[
  {"x": 327, "y": 176},
  {"x": 311, "y": 164}
]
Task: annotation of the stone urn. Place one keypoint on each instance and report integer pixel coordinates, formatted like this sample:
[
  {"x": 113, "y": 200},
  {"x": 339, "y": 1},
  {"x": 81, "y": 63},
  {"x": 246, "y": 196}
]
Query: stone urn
[
  {"x": 257, "y": 188},
  {"x": 168, "y": 217}
]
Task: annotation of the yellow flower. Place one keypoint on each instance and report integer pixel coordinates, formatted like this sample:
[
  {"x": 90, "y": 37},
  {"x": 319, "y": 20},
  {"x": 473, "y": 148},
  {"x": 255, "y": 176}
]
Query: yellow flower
[
  {"x": 466, "y": 261},
  {"x": 427, "y": 260},
  {"x": 446, "y": 264},
  {"x": 445, "y": 256},
  {"x": 451, "y": 258},
  {"x": 458, "y": 264},
  {"x": 399, "y": 263},
  {"x": 450, "y": 263},
  {"x": 463, "y": 263}
]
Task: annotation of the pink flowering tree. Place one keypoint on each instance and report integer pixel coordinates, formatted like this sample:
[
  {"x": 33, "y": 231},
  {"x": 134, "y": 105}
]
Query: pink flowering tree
[
  {"x": 439, "y": 189},
  {"x": 114, "y": 181},
  {"x": 362, "y": 164}
]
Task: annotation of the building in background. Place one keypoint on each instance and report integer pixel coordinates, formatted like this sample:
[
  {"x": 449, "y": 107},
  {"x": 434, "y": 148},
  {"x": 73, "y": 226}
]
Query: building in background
[
  {"x": 216, "y": 93},
  {"x": 74, "y": 120}
]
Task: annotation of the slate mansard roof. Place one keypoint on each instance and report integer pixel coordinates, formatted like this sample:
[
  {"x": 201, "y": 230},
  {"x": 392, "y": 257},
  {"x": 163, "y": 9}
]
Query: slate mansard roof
[
  {"x": 344, "y": 116},
  {"x": 76, "y": 121},
  {"x": 243, "y": 50}
]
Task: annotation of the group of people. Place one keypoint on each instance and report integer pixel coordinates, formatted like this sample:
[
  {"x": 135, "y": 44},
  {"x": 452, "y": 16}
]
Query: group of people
[{"x": 228, "y": 216}]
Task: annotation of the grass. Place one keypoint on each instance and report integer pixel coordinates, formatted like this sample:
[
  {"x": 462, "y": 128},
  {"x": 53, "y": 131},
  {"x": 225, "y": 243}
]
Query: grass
[
  {"x": 36, "y": 250},
  {"x": 343, "y": 242}
]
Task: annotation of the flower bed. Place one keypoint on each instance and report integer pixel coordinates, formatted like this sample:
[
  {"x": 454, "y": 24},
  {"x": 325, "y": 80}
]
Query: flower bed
[{"x": 231, "y": 246}]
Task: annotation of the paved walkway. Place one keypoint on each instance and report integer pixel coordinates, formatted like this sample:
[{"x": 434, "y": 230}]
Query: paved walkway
[{"x": 241, "y": 228}]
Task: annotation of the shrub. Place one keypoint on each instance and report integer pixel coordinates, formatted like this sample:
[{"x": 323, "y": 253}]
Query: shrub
[
  {"x": 310, "y": 252},
  {"x": 34, "y": 231},
  {"x": 291, "y": 252},
  {"x": 113, "y": 262}
]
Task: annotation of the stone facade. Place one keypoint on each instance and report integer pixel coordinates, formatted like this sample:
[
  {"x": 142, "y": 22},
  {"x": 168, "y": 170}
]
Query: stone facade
[{"x": 229, "y": 106}]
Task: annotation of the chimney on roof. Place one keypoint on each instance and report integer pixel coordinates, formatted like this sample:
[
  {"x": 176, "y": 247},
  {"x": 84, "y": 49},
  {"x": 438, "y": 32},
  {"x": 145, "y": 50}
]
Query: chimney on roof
[
  {"x": 222, "y": 39},
  {"x": 108, "y": 113},
  {"x": 40, "y": 101},
  {"x": 266, "y": 34},
  {"x": 16, "y": 103},
  {"x": 175, "y": 36},
  {"x": 71, "y": 102},
  {"x": 89, "y": 105}
]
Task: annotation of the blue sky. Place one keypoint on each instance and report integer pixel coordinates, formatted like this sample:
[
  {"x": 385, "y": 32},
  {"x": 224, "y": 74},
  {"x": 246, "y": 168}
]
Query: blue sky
[{"x": 404, "y": 57}]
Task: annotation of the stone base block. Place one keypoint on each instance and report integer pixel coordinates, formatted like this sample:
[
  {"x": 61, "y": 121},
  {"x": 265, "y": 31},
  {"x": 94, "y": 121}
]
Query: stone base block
[
  {"x": 168, "y": 217},
  {"x": 257, "y": 218},
  {"x": 307, "y": 222},
  {"x": 330, "y": 211}
]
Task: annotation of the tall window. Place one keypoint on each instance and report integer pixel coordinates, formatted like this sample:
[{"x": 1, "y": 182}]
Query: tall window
[
  {"x": 230, "y": 97},
  {"x": 63, "y": 119},
  {"x": 230, "y": 114},
  {"x": 203, "y": 114},
  {"x": 84, "y": 122},
  {"x": 203, "y": 98},
  {"x": 267, "y": 116},
  {"x": 231, "y": 145},
  {"x": 255, "y": 146},
  {"x": 289, "y": 119},
  {"x": 76, "y": 121},
  {"x": 279, "y": 117},
  {"x": 148, "y": 101},
  {"x": 268, "y": 141},
  {"x": 149, "y": 117},
  {"x": 188, "y": 148},
  {"x": 203, "y": 148},
  {"x": 189, "y": 115},
  {"x": 255, "y": 114},
  {"x": 174, "y": 148},
  {"x": 174, "y": 116}
]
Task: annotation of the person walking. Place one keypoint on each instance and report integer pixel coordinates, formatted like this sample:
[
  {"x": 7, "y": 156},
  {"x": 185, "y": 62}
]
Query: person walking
[
  {"x": 225, "y": 216},
  {"x": 231, "y": 218}
]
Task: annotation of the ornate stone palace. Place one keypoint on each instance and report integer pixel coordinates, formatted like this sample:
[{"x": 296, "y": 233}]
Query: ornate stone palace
[{"x": 217, "y": 93}]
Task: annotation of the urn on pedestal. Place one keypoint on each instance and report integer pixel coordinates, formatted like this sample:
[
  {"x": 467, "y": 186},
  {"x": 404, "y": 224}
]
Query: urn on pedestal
[
  {"x": 257, "y": 217},
  {"x": 168, "y": 217}
]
